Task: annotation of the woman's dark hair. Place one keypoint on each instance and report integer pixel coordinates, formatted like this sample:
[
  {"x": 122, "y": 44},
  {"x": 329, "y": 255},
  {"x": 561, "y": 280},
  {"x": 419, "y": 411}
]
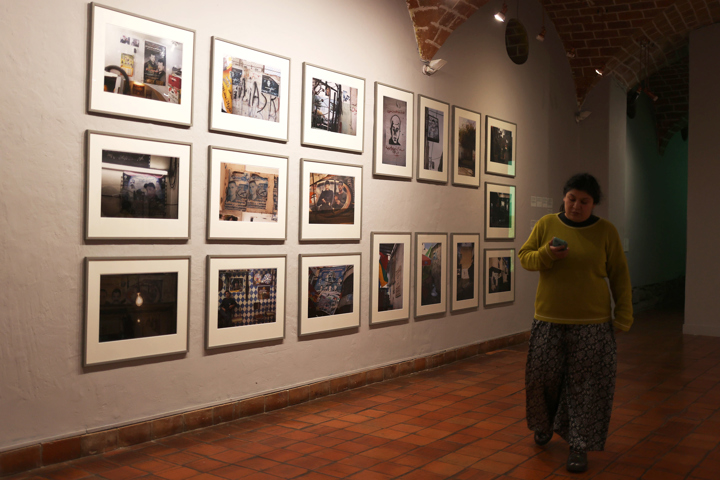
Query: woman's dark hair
[{"x": 586, "y": 183}]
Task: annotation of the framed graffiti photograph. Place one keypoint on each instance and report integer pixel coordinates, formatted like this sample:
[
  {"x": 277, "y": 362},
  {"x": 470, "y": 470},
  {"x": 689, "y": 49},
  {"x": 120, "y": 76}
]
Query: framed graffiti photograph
[
  {"x": 466, "y": 147},
  {"x": 330, "y": 201},
  {"x": 247, "y": 195},
  {"x": 431, "y": 261},
  {"x": 433, "y": 140},
  {"x": 139, "y": 67},
  {"x": 393, "y": 135},
  {"x": 390, "y": 277},
  {"x": 137, "y": 188},
  {"x": 500, "y": 146},
  {"x": 465, "y": 274},
  {"x": 499, "y": 212},
  {"x": 135, "y": 308},
  {"x": 499, "y": 276},
  {"x": 329, "y": 293},
  {"x": 333, "y": 109},
  {"x": 249, "y": 91},
  {"x": 245, "y": 299}
]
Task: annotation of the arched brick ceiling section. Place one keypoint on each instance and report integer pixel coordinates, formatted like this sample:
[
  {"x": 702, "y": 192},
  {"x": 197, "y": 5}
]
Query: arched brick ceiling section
[
  {"x": 435, "y": 20},
  {"x": 671, "y": 86},
  {"x": 606, "y": 34}
]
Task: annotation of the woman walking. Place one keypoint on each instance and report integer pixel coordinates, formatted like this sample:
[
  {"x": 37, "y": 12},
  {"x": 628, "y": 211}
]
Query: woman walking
[{"x": 572, "y": 360}]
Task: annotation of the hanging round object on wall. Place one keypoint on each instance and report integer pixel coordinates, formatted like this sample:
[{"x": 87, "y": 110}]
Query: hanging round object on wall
[{"x": 516, "y": 41}]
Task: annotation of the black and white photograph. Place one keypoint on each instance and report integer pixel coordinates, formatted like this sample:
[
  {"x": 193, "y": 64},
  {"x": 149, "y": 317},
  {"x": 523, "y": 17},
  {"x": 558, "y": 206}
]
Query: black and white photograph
[
  {"x": 329, "y": 292},
  {"x": 390, "y": 277},
  {"x": 499, "y": 273},
  {"x": 431, "y": 273},
  {"x": 465, "y": 276},
  {"x": 330, "y": 201},
  {"x": 137, "y": 187},
  {"x": 248, "y": 302},
  {"x": 247, "y": 195},
  {"x": 135, "y": 308},
  {"x": 500, "y": 146},
  {"x": 333, "y": 109},
  {"x": 394, "y": 123},
  {"x": 499, "y": 211},
  {"x": 140, "y": 68},
  {"x": 249, "y": 91},
  {"x": 466, "y": 147},
  {"x": 434, "y": 117}
]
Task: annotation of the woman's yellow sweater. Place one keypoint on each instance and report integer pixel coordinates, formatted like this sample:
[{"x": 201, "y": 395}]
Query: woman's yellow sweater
[{"x": 574, "y": 290}]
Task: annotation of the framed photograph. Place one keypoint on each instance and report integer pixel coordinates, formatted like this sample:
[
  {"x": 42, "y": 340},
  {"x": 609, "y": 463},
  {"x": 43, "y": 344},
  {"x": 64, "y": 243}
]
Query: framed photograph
[
  {"x": 466, "y": 147},
  {"x": 393, "y": 136},
  {"x": 433, "y": 136},
  {"x": 245, "y": 299},
  {"x": 135, "y": 308},
  {"x": 249, "y": 91},
  {"x": 500, "y": 146},
  {"x": 464, "y": 278},
  {"x": 431, "y": 260},
  {"x": 499, "y": 276},
  {"x": 139, "y": 67},
  {"x": 247, "y": 195},
  {"x": 333, "y": 109},
  {"x": 329, "y": 293},
  {"x": 499, "y": 212},
  {"x": 390, "y": 277},
  {"x": 330, "y": 201},
  {"x": 137, "y": 188}
]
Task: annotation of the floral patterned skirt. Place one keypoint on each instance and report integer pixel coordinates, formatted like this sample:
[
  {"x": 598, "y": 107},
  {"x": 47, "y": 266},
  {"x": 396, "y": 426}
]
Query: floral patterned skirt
[{"x": 570, "y": 382}]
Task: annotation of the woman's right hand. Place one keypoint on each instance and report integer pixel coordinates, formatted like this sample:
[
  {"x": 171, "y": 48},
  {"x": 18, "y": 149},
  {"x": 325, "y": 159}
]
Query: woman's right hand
[{"x": 558, "y": 252}]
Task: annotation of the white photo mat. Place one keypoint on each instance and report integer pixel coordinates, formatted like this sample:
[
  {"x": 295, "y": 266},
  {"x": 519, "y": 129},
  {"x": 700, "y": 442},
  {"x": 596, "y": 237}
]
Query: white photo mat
[
  {"x": 317, "y": 231},
  {"x": 224, "y": 229},
  {"x": 97, "y": 352},
  {"x": 440, "y": 158},
  {"x": 315, "y": 137},
  {"x": 464, "y": 271},
  {"x": 100, "y": 101},
  {"x": 462, "y": 118},
  {"x": 100, "y": 227},
  {"x": 441, "y": 290},
  {"x": 402, "y": 313},
  {"x": 220, "y": 337},
  {"x": 491, "y": 297},
  {"x": 495, "y": 232},
  {"x": 406, "y": 132},
  {"x": 498, "y": 168},
  {"x": 229, "y": 123},
  {"x": 311, "y": 325}
]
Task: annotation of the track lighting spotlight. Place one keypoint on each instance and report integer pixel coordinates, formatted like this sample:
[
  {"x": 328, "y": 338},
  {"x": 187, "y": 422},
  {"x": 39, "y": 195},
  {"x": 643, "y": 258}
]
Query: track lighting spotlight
[
  {"x": 500, "y": 16},
  {"x": 599, "y": 71},
  {"x": 541, "y": 35},
  {"x": 433, "y": 66},
  {"x": 570, "y": 53}
]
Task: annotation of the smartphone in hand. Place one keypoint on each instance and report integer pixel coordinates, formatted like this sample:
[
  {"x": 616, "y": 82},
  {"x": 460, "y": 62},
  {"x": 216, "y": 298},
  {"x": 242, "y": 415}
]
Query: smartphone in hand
[{"x": 559, "y": 242}]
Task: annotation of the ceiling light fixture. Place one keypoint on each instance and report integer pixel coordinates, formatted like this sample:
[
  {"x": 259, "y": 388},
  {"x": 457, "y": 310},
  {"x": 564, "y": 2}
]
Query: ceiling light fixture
[
  {"x": 541, "y": 36},
  {"x": 599, "y": 71},
  {"x": 500, "y": 16},
  {"x": 570, "y": 53}
]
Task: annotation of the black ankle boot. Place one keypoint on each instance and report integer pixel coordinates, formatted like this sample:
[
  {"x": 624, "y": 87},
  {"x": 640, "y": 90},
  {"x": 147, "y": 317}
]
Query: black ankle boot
[
  {"x": 577, "y": 461},
  {"x": 542, "y": 438}
]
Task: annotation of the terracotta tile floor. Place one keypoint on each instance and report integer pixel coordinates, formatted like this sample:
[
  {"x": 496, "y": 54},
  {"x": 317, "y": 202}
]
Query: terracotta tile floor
[{"x": 464, "y": 421}]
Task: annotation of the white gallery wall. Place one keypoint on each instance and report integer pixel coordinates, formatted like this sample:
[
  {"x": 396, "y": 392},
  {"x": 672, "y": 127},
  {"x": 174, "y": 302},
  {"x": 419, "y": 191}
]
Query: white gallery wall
[
  {"x": 702, "y": 303},
  {"x": 45, "y": 392}
]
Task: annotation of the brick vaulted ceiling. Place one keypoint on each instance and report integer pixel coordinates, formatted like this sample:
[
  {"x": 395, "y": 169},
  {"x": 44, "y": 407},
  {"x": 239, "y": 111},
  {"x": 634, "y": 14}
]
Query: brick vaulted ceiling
[{"x": 612, "y": 35}]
